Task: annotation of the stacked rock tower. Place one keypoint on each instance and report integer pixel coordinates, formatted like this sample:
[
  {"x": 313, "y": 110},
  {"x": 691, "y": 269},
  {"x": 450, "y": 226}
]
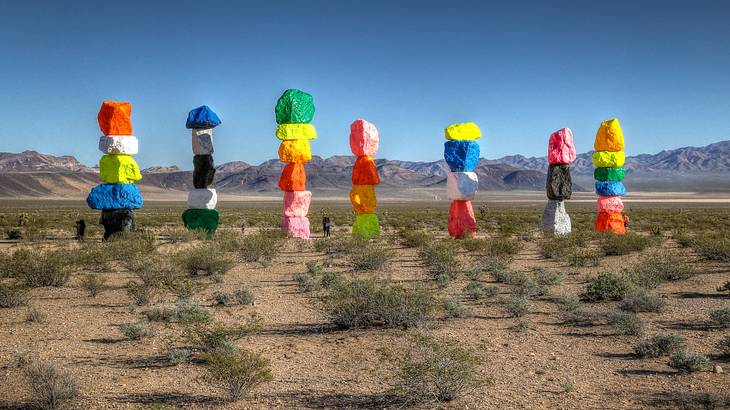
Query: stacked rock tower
[
  {"x": 609, "y": 161},
  {"x": 461, "y": 153},
  {"x": 559, "y": 186},
  {"x": 201, "y": 213},
  {"x": 364, "y": 140},
  {"x": 294, "y": 112},
  {"x": 118, "y": 196}
]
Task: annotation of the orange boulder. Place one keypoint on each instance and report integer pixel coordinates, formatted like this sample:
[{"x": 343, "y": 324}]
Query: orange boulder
[
  {"x": 610, "y": 222},
  {"x": 363, "y": 199},
  {"x": 364, "y": 172},
  {"x": 115, "y": 118},
  {"x": 293, "y": 178}
]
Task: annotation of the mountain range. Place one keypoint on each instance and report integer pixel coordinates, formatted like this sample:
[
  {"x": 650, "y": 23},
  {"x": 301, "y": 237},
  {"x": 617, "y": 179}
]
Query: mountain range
[{"x": 33, "y": 174}]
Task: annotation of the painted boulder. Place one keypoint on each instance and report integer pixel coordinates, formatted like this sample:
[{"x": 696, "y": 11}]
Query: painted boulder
[
  {"x": 461, "y": 186},
  {"x": 462, "y": 223},
  {"x": 364, "y": 172},
  {"x": 205, "y": 198},
  {"x": 608, "y": 159},
  {"x": 287, "y": 132},
  {"x": 366, "y": 226},
  {"x": 294, "y": 106},
  {"x": 296, "y": 203},
  {"x": 115, "y": 118},
  {"x": 203, "y": 141},
  {"x": 467, "y": 131},
  {"x": 609, "y": 137},
  {"x": 115, "y": 196},
  {"x": 119, "y": 144},
  {"x": 610, "y": 222},
  {"x": 202, "y": 219},
  {"x": 363, "y": 199},
  {"x": 116, "y": 220},
  {"x": 119, "y": 169},
  {"x": 202, "y": 117},
  {"x": 203, "y": 171},
  {"x": 364, "y": 138},
  {"x": 610, "y": 188},
  {"x": 293, "y": 178},
  {"x": 296, "y": 227},
  {"x": 609, "y": 174},
  {"x": 295, "y": 151},
  {"x": 555, "y": 219},
  {"x": 610, "y": 204},
  {"x": 462, "y": 156},
  {"x": 561, "y": 149},
  {"x": 559, "y": 184}
]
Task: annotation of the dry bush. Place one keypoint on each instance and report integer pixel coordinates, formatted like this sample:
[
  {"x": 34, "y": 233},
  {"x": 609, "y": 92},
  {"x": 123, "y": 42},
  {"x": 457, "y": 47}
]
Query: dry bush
[
  {"x": 135, "y": 331},
  {"x": 660, "y": 345},
  {"x": 608, "y": 286},
  {"x": 237, "y": 372},
  {"x": 659, "y": 266},
  {"x": 36, "y": 268},
  {"x": 714, "y": 246},
  {"x": 361, "y": 304},
  {"x": 558, "y": 247},
  {"x": 440, "y": 260},
  {"x": 132, "y": 245},
  {"x": 261, "y": 247},
  {"x": 93, "y": 284},
  {"x": 568, "y": 302},
  {"x": 214, "y": 336},
  {"x": 517, "y": 306},
  {"x": 627, "y": 323},
  {"x": 50, "y": 388},
  {"x": 581, "y": 257},
  {"x": 454, "y": 308},
  {"x": 477, "y": 290},
  {"x": 34, "y": 315},
  {"x": 624, "y": 244},
  {"x": 340, "y": 245},
  {"x": 371, "y": 258},
  {"x": 206, "y": 260},
  {"x": 185, "y": 313},
  {"x": 414, "y": 238},
  {"x": 688, "y": 362},
  {"x": 724, "y": 346},
  {"x": 721, "y": 317},
  {"x": 433, "y": 370},
  {"x": 641, "y": 300},
  {"x": 13, "y": 295}
]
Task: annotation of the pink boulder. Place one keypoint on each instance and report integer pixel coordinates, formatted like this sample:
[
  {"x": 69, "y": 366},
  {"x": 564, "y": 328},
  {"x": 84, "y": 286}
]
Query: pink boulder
[
  {"x": 364, "y": 138},
  {"x": 560, "y": 148},
  {"x": 296, "y": 227},
  {"x": 610, "y": 204},
  {"x": 462, "y": 223},
  {"x": 296, "y": 203}
]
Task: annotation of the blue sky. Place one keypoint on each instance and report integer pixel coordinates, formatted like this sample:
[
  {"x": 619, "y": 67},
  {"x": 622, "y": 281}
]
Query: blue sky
[{"x": 520, "y": 70}]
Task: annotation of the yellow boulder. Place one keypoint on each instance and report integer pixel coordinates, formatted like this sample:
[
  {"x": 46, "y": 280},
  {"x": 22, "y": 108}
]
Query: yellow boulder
[
  {"x": 463, "y": 132},
  {"x": 295, "y": 151},
  {"x": 363, "y": 199},
  {"x": 609, "y": 137},
  {"x": 119, "y": 169},
  {"x": 288, "y": 132},
  {"x": 608, "y": 159}
]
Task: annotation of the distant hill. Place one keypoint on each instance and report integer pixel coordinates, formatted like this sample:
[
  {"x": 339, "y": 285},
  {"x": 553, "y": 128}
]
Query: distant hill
[{"x": 30, "y": 173}]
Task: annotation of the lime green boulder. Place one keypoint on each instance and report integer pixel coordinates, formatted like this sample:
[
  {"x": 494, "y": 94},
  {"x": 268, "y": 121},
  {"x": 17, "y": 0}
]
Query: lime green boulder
[
  {"x": 203, "y": 219},
  {"x": 366, "y": 226},
  {"x": 119, "y": 169},
  {"x": 609, "y": 174},
  {"x": 294, "y": 107}
]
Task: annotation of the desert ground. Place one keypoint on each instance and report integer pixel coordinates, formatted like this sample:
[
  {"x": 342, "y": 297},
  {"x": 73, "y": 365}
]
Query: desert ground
[{"x": 512, "y": 319}]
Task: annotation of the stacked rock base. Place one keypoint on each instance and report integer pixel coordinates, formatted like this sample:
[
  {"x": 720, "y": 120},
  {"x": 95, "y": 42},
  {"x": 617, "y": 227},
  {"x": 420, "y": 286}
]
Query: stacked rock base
[
  {"x": 294, "y": 112},
  {"x": 364, "y": 142},
  {"x": 559, "y": 185},
  {"x": 202, "y": 200},
  {"x": 118, "y": 196},
  {"x": 555, "y": 219},
  {"x": 462, "y": 155},
  {"x": 609, "y": 173}
]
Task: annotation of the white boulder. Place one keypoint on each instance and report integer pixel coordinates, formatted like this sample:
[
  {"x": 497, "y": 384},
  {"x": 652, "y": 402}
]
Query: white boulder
[
  {"x": 461, "y": 186},
  {"x": 119, "y": 144},
  {"x": 204, "y": 198},
  {"x": 555, "y": 219}
]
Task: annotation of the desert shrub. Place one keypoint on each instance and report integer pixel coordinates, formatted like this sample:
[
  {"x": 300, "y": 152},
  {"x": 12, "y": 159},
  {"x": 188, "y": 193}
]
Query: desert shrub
[
  {"x": 306, "y": 281},
  {"x": 724, "y": 346},
  {"x": 568, "y": 302},
  {"x": 502, "y": 247},
  {"x": 178, "y": 356},
  {"x": 330, "y": 279},
  {"x": 160, "y": 314},
  {"x": 237, "y": 372},
  {"x": 184, "y": 288},
  {"x": 36, "y": 268},
  {"x": 580, "y": 257},
  {"x": 579, "y": 317},
  {"x": 222, "y": 298},
  {"x": 608, "y": 286},
  {"x": 371, "y": 258},
  {"x": 558, "y": 247},
  {"x": 527, "y": 286},
  {"x": 413, "y": 238},
  {"x": 659, "y": 266},
  {"x": 517, "y": 306},
  {"x": 713, "y": 247},
  {"x": 522, "y": 325},
  {"x": 93, "y": 256},
  {"x": 13, "y": 295},
  {"x": 568, "y": 386},
  {"x": 547, "y": 277},
  {"x": 477, "y": 290},
  {"x": 135, "y": 331},
  {"x": 205, "y": 260},
  {"x": 624, "y": 244},
  {"x": 244, "y": 296},
  {"x": 360, "y": 304},
  {"x": 641, "y": 300},
  {"x": 93, "y": 284},
  {"x": 340, "y": 245},
  {"x": 434, "y": 370},
  {"x": 140, "y": 293},
  {"x": 132, "y": 245},
  {"x": 218, "y": 336},
  {"x": 440, "y": 260},
  {"x": 454, "y": 308},
  {"x": 627, "y": 323},
  {"x": 725, "y": 287},
  {"x": 688, "y": 362},
  {"x": 50, "y": 388},
  {"x": 474, "y": 244},
  {"x": 261, "y": 247},
  {"x": 660, "y": 345},
  {"x": 35, "y": 315},
  {"x": 721, "y": 317},
  {"x": 186, "y": 313}
]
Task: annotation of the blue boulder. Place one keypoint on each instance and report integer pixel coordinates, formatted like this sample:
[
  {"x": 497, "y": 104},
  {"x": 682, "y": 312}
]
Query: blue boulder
[
  {"x": 202, "y": 117},
  {"x": 606, "y": 188},
  {"x": 115, "y": 196},
  {"x": 462, "y": 156}
]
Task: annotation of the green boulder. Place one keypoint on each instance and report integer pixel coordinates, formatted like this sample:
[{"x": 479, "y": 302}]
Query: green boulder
[
  {"x": 294, "y": 107},
  {"x": 609, "y": 174},
  {"x": 366, "y": 226},
  {"x": 204, "y": 219}
]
